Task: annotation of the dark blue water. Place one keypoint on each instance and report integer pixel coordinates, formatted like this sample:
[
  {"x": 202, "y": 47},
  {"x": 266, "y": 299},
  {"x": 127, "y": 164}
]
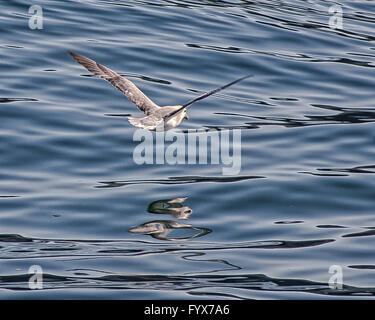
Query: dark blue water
[{"x": 73, "y": 201}]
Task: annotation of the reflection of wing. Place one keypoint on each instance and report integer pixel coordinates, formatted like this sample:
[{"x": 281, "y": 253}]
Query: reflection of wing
[
  {"x": 159, "y": 229},
  {"x": 127, "y": 87}
]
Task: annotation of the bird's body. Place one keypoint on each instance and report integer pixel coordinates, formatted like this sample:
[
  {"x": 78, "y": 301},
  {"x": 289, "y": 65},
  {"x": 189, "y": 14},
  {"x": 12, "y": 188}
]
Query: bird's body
[
  {"x": 157, "y": 118},
  {"x": 160, "y": 120}
]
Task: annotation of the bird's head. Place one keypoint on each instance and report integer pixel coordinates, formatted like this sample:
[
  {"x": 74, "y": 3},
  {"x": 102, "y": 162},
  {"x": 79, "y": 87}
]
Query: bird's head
[
  {"x": 184, "y": 113},
  {"x": 180, "y": 112}
]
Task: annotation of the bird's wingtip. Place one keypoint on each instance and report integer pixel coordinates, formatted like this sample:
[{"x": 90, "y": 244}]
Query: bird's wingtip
[
  {"x": 73, "y": 54},
  {"x": 247, "y": 76}
]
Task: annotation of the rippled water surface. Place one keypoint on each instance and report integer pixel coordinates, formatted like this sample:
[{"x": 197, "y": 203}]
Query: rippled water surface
[{"x": 73, "y": 201}]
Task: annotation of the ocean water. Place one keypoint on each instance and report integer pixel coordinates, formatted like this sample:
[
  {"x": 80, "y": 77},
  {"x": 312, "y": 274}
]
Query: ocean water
[{"x": 296, "y": 222}]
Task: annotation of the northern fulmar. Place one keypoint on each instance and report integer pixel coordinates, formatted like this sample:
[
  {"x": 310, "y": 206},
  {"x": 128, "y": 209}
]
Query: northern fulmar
[{"x": 157, "y": 118}]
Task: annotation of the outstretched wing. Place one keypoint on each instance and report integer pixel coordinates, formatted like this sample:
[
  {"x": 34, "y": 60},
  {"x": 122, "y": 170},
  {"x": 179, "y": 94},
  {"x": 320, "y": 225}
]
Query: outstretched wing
[
  {"x": 127, "y": 87},
  {"x": 205, "y": 95}
]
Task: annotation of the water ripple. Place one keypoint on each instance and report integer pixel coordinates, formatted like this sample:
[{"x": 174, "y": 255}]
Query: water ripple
[
  {"x": 175, "y": 180},
  {"x": 34, "y": 248}
]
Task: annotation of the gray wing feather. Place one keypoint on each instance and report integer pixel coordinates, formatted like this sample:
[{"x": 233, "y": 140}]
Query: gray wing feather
[{"x": 127, "y": 87}]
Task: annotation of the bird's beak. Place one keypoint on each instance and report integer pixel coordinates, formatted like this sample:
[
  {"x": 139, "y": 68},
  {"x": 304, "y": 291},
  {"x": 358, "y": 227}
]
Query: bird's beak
[{"x": 186, "y": 117}]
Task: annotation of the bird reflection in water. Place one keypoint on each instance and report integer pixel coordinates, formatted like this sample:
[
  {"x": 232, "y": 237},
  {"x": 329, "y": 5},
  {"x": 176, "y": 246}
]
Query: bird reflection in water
[
  {"x": 161, "y": 229},
  {"x": 173, "y": 207}
]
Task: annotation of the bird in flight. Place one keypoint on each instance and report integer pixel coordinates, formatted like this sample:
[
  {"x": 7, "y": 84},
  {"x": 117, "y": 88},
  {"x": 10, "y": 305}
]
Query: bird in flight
[{"x": 157, "y": 118}]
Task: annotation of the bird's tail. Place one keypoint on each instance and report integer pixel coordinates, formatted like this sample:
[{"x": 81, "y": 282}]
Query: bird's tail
[
  {"x": 145, "y": 123},
  {"x": 136, "y": 122}
]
